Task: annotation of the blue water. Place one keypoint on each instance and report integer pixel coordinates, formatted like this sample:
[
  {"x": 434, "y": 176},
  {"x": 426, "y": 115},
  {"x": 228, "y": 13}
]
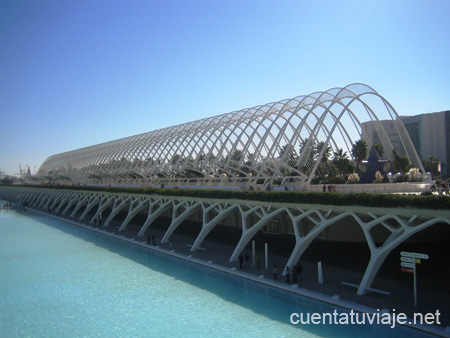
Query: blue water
[{"x": 57, "y": 279}]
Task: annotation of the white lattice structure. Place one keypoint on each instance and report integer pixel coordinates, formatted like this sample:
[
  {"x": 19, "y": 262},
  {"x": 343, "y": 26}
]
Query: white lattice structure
[
  {"x": 271, "y": 142},
  {"x": 308, "y": 221}
]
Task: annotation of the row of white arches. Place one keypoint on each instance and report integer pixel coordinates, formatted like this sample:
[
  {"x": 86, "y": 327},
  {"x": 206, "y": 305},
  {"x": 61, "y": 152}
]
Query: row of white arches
[
  {"x": 238, "y": 148},
  {"x": 86, "y": 207}
]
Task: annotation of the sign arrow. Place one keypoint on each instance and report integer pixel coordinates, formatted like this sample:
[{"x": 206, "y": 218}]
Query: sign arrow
[
  {"x": 414, "y": 255},
  {"x": 407, "y": 265}
]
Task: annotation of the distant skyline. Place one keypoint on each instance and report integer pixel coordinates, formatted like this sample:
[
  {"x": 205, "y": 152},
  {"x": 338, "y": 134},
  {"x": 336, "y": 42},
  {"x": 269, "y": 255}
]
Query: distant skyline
[{"x": 79, "y": 73}]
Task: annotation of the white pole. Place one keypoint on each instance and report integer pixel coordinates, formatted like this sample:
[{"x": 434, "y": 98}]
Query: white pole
[
  {"x": 253, "y": 253},
  {"x": 415, "y": 282},
  {"x": 319, "y": 272},
  {"x": 266, "y": 249}
]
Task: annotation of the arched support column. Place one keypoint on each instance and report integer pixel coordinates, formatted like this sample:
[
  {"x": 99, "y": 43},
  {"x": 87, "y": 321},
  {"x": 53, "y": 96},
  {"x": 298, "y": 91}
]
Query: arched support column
[
  {"x": 30, "y": 196},
  {"x": 63, "y": 202},
  {"x": 134, "y": 210},
  {"x": 302, "y": 241},
  {"x": 176, "y": 220},
  {"x": 378, "y": 255},
  {"x": 152, "y": 216},
  {"x": 92, "y": 203},
  {"x": 116, "y": 210},
  {"x": 73, "y": 200},
  {"x": 208, "y": 226},
  {"x": 57, "y": 197},
  {"x": 105, "y": 203},
  {"x": 45, "y": 198},
  {"x": 248, "y": 233},
  {"x": 80, "y": 204}
]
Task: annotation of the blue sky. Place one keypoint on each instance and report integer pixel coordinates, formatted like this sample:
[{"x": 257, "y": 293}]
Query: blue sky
[{"x": 79, "y": 73}]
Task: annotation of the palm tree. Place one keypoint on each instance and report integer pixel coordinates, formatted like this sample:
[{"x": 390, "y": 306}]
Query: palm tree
[
  {"x": 359, "y": 151},
  {"x": 340, "y": 160},
  {"x": 432, "y": 165},
  {"x": 401, "y": 163},
  {"x": 290, "y": 157},
  {"x": 308, "y": 163},
  {"x": 379, "y": 149},
  {"x": 234, "y": 165},
  {"x": 249, "y": 168},
  {"x": 326, "y": 153},
  {"x": 322, "y": 146}
]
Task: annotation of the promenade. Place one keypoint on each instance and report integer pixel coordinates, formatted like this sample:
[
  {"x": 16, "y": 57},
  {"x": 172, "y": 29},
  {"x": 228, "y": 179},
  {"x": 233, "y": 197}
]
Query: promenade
[{"x": 215, "y": 253}]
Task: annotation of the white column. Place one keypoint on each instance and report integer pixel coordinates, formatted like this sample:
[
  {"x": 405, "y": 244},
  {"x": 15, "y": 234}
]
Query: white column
[
  {"x": 266, "y": 249},
  {"x": 319, "y": 272},
  {"x": 253, "y": 253}
]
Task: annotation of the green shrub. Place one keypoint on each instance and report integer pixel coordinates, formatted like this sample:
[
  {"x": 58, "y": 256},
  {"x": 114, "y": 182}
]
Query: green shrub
[{"x": 425, "y": 201}]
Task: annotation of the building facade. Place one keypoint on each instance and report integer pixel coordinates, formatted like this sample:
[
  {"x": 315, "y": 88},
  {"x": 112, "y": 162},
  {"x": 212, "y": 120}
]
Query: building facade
[{"x": 430, "y": 134}]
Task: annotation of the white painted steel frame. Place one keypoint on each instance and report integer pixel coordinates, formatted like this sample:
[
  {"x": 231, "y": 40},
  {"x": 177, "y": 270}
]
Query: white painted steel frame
[
  {"x": 253, "y": 218},
  {"x": 239, "y": 148}
]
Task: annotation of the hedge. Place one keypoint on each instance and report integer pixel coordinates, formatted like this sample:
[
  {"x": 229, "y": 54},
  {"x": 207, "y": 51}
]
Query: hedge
[{"x": 297, "y": 197}]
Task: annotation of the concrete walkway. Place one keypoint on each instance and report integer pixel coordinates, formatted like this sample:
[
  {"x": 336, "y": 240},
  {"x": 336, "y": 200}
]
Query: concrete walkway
[{"x": 216, "y": 254}]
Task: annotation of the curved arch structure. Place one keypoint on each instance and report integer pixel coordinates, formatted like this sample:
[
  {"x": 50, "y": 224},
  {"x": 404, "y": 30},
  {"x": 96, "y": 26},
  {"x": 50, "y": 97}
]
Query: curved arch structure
[
  {"x": 275, "y": 141},
  {"x": 308, "y": 221}
]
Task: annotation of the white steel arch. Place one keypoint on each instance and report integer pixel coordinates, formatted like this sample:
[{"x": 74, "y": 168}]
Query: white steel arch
[
  {"x": 88, "y": 206},
  {"x": 259, "y": 144}
]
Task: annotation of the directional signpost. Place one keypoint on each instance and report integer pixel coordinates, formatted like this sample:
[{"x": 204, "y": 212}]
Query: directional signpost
[{"x": 409, "y": 260}]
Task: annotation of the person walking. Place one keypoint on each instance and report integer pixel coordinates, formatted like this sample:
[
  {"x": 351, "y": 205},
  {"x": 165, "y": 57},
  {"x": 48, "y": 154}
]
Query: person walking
[
  {"x": 258, "y": 260},
  {"x": 241, "y": 260},
  {"x": 247, "y": 260},
  {"x": 288, "y": 275},
  {"x": 299, "y": 271},
  {"x": 275, "y": 272}
]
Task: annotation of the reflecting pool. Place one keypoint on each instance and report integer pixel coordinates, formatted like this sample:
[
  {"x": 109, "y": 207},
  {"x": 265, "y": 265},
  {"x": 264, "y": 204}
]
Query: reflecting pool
[{"x": 57, "y": 279}]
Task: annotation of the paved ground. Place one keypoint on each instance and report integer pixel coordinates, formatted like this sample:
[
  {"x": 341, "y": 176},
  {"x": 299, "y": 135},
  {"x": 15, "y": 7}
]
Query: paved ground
[{"x": 216, "y": 250}]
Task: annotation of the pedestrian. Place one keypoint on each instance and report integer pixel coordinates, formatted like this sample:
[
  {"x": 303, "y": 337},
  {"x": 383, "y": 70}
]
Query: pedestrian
[
  {"x": 154, "y": 239},
  {"x": 288, "y": 275},
  {"x": 258, "y": 260},
  {"x": 294, "y": 274},
  {"x": 299, "y": 271},
  {"x": 241, "y": 260},
  {"x": 324, "y": 188},
  {"x": 247, "y": 260},
  {"x": 275, "y": 272},
  {"x": 149, "y": 238},
  {"x": 433, "y": 188}
]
